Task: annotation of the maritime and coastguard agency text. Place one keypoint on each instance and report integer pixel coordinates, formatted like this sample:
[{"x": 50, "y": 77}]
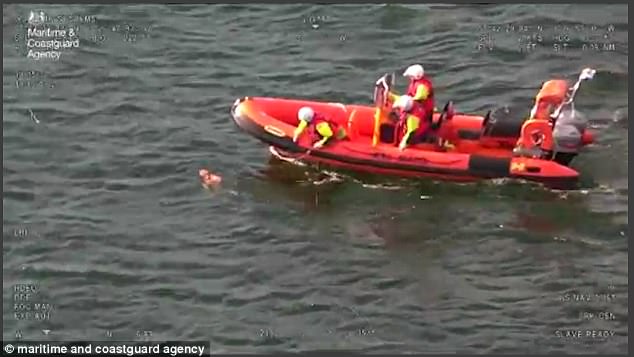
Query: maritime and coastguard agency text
[
  {"x": 129, "y": 349},
  {"x": 48, "y": 43}
]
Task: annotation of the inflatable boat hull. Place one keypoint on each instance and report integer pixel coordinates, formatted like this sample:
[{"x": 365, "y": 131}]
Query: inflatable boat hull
[{"x": 473, "y": 157}]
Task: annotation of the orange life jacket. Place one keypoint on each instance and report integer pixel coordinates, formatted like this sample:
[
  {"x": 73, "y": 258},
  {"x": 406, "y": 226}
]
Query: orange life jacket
[{"x": 551, "y": 95}]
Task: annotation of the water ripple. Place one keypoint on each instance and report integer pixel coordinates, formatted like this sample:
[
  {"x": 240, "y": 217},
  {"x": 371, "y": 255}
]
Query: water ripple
[{"x": 122, "y": 237}]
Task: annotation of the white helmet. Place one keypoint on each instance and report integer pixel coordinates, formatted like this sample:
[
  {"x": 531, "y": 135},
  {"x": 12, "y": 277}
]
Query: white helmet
[
  {"x": 415, "y": 71},
  {"x": 306, "y": 114},
  {"x": 404, "y": 102}
]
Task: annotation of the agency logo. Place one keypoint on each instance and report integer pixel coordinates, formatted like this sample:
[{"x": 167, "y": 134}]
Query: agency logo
[{"x": 37, "y": 17}]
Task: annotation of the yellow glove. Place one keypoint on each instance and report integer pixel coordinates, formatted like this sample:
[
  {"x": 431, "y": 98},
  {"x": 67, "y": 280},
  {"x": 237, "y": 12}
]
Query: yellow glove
[
  {"x": 392, "y": 97},
  {"x": 300, "y": 128}
]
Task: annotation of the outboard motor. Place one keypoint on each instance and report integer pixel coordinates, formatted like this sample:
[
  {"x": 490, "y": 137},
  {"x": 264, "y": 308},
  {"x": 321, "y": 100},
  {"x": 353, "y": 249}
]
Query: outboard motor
[
  {"x": 568, "y": 136},
  {"x": 556, "y": 134}
]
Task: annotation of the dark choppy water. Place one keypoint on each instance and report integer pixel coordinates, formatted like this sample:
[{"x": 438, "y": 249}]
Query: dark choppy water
[{"x": 103, "y": 210}]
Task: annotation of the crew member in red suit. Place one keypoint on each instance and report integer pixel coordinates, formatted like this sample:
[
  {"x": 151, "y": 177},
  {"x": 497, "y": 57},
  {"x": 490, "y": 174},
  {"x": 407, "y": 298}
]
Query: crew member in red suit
[
  {"x": 410, "y": 119},
  {"x": 421, "y": 90},
  {"x": 321, "y": 127}
]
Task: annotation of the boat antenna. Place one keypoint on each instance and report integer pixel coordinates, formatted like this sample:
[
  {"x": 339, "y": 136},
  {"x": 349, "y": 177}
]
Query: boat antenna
[{"x": 586, "y": 74}]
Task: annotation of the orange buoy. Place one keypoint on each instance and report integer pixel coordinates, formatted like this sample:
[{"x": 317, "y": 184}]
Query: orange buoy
[{"x": 208, "y": 179}]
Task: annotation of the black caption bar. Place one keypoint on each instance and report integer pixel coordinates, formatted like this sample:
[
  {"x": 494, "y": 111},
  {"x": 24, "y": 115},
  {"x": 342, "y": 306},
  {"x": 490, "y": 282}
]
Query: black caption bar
[{"x": 107, "y": 348}]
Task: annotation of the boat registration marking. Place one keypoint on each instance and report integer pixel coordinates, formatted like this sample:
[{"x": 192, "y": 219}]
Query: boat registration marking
[{"x": 518, "y": 166}]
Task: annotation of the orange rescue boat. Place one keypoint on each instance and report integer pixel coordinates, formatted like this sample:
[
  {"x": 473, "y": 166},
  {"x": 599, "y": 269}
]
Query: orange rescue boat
[{"x": 536, "y": 146}]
